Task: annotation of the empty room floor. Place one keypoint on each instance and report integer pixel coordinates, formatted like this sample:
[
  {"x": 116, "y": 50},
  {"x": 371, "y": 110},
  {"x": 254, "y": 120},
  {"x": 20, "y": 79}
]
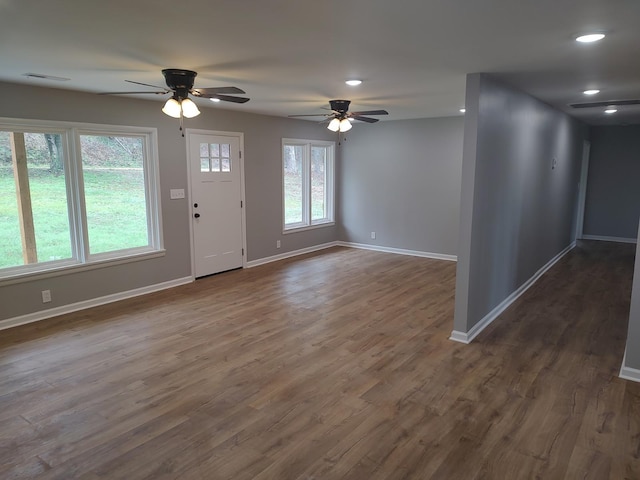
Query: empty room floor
[{"x": 327, "y": 366}]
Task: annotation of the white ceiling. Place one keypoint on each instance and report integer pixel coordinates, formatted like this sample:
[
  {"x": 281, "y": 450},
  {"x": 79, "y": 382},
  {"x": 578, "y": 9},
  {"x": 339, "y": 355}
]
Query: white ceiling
[{"x": 292, "y": 56}]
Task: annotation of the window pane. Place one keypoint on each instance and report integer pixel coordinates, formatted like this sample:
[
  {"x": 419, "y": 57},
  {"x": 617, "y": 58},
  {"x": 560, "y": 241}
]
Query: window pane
[
  {"x": 215, "y": 150},
  {"x": 204, "y": 165},
  {"x": 226, "y": 164},
  {"x": 215, "y": 164},
  {"x": 34, "y": 220},
  {"x": 318, "y": 183},
  {"x": 114, "y": 189},
  {"x": 293, "y": 183}
]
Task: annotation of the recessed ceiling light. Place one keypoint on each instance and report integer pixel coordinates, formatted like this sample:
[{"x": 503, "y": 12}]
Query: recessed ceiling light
[
  {"x": 591, "y": 92},
  {"x": 215, "y": 100},
  {"x": 462, "y": 110},
  {"x": 611, "y": 110},
  {"x": 353, "y": 83},
  {"x": 590, "y": 37}
]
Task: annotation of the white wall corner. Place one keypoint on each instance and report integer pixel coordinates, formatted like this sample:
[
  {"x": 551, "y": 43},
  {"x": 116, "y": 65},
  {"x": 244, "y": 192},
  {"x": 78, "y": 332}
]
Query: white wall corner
[
  {"x": 461, "y": 337},
  {"x": 628, "y": 373}
]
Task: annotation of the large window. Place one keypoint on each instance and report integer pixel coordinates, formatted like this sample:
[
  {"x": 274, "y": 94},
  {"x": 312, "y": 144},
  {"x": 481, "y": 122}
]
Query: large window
[
  {"x": 307, "y": 183},
  {"x": 73, "y": 195}
]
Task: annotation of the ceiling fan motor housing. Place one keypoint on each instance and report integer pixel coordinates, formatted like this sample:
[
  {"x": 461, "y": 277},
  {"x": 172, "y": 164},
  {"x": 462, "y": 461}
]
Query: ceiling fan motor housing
[
  {"x": 180, "y": 81},
  {"x": 341, "y": 106}
]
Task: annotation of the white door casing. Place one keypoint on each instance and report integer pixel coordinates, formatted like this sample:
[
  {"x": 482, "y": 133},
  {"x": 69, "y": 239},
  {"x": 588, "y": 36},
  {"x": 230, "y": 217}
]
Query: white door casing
[{"x": 216, "y": 197}]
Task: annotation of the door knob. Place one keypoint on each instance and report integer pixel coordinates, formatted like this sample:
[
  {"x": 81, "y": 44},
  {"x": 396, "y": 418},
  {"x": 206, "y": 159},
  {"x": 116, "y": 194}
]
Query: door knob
[{"x": 197, "y": 215}]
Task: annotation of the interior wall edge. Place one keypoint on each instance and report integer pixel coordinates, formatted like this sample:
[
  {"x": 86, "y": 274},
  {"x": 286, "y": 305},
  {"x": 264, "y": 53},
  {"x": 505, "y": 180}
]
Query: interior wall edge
[{"x": 468, "y": 337}]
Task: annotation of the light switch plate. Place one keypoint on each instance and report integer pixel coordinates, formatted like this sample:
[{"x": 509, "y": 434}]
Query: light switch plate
[{"x": 177, "y": 193}]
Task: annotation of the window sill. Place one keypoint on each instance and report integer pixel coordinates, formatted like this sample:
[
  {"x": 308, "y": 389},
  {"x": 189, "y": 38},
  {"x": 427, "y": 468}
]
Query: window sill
[
  {"x": 307, "y": 227},
  {"x": 60, "y": 270}
]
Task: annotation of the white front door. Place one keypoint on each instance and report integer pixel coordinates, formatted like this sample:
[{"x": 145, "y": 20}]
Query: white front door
[{"x": 216, "y": 196}]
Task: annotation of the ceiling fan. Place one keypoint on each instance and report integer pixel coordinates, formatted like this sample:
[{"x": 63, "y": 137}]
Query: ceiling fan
[
  {"x": 180, "y": 85},
  {"x": 339, "y": 118}
]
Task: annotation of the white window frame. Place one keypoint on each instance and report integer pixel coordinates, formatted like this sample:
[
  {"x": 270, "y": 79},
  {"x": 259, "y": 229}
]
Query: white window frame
[
  {"x": 307, "y": 223},
  {"x": 81, "y": 259}
]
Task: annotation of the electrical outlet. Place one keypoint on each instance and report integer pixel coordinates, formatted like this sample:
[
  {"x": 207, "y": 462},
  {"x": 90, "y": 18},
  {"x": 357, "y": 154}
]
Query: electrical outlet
[
  {"x": 277, "y": 243},
  {"x": 373, "y": 235},
  {"x": 46, "y": 296}
]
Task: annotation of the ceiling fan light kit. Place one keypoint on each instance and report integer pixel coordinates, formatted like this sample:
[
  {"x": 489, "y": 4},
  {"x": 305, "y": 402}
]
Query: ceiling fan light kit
[
  {"x": 180, "y": 85},
  {"x": 345, "y": 125},
  {"x": 189, "y": 109},
  {"x": 341, "y": 117},
  {"x": 172, "y": 108}
]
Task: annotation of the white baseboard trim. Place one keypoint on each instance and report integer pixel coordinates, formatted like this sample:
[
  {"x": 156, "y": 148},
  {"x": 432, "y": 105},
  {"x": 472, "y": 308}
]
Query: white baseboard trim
[
  {"x": 293, "y": 253},
  {"x": 400, "y": 251},
  {"x": 467, "y": 337},
  {"x": 629, "y": 373},
  {"x": 94, "y": 302},
  {"x": 364, "y": 246},
  {"x": 610, "y": 239}
]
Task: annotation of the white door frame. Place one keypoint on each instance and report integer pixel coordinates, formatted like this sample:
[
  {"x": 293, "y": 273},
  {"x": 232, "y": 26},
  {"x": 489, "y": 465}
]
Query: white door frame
[
  {"x": 582, "y": 189},
  {"x": 240, "y": 137}
]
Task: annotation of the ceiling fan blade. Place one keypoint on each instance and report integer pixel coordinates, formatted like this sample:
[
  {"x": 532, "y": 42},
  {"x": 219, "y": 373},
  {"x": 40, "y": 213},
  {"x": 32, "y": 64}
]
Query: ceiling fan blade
[
  {"x": 146, "y": 84},
  {"x": 227, "y": 98},
  {"x": 364, "y": 119},
  {"x": 371, "y": 112},
  {"x": 132, "y": 93},
  {"x": 312, "y": 115},
  {"x": 198, "y": 92}
]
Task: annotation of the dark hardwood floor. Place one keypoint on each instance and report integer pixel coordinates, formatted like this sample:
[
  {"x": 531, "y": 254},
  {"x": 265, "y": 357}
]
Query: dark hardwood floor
[{"x": 328, "y": 366}]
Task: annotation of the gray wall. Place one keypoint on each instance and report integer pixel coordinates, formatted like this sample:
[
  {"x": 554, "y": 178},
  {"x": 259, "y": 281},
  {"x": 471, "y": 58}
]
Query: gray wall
[
  {"x": 263, "y": 181},
  {"x": 612, "y": 205},
  {"x": 517, "y": 213},
  {"x": 401, "y": 179},
  {"x": 632, "y": 358}
]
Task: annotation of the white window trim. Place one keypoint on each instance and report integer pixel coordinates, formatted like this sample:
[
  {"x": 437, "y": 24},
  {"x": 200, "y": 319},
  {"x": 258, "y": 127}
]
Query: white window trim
[
  {"x": 307, "y": 223},
  {"x": 81, "y": 259}
]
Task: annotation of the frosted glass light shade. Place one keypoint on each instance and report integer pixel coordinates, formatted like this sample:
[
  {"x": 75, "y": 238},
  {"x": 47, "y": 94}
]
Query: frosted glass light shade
[
  {"x": 189, "y": 109},
  {"x": 172, "y": 108},
  {"x": 334, "y": 125},
  {"x": 345, "y": 125}
]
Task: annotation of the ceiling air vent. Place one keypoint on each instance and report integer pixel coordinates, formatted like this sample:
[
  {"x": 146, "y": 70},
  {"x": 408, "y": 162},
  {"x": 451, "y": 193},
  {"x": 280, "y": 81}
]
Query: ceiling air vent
[
  {"x": 609, "y": 103},
  {"x": 42, "y": 76}
]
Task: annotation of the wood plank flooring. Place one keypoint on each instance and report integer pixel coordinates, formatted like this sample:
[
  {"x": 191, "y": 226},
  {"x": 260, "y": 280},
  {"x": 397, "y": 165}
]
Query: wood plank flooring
[{"x": 334, "y": 365}]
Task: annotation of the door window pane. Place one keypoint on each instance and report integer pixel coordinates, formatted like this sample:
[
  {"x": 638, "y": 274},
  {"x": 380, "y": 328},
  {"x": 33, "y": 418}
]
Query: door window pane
[
  {"x": 114, "y": 190},
  {"x": 215, "y": 157},
  {"x": 34, "y": 219},
  {"x": 215, "y": 150}
]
